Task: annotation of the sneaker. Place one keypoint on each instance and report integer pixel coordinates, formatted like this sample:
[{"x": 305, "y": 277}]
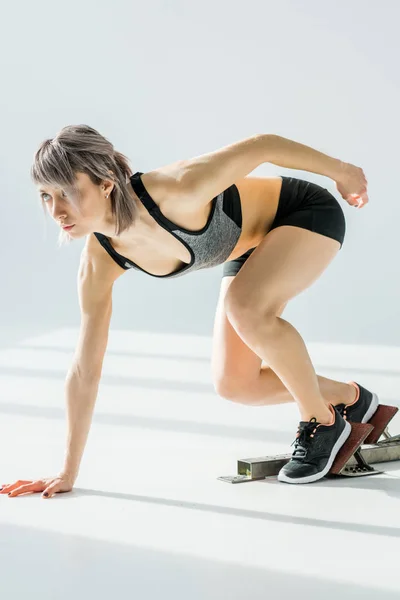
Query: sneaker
[
  {"x": 315, "y": 449},
  {"x": 363, "y": 408}
]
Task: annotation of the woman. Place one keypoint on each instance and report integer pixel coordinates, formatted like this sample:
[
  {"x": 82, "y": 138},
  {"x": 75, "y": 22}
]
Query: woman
[{"x": 275, "y": 236}]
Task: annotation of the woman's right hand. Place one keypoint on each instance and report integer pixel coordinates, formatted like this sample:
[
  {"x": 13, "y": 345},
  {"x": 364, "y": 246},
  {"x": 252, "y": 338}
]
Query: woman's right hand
[
  {"x": 352, "y": 184},
  {"x": 48, "y": 486}
]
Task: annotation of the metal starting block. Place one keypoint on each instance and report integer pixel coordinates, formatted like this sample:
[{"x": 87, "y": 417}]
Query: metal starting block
[{"x": 368, "y": 443}]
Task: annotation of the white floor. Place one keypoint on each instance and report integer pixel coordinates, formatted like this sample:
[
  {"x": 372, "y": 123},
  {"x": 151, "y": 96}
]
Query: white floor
[{"x": 148, "y": 517}]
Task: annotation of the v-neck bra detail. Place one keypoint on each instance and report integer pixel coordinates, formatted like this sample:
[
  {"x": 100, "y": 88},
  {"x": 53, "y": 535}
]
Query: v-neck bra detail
[{"x": 208, "y": 247}]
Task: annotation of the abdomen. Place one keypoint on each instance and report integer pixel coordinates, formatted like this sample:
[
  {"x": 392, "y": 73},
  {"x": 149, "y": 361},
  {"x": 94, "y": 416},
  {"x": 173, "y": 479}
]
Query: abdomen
[{"x": 259, "y": 197}]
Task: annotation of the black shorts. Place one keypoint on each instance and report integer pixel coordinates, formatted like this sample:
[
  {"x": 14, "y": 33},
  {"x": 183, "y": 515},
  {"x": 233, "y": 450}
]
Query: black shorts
[{"x": 301, "y": 204}]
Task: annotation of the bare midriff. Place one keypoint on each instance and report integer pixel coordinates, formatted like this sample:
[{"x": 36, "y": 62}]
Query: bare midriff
[
  {"x": 155, "y": 250},
  {"x": 259, "y": 201}
]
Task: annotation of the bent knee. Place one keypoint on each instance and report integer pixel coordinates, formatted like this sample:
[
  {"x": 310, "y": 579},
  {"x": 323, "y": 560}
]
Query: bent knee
[
  {"x": 244, "y": 314},
  {"x": 232, "y": 389}
]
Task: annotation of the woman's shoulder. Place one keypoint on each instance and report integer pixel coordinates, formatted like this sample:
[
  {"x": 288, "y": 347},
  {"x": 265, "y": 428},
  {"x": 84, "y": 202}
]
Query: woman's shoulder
[
  {"x": 170, "y": 188},
  {"x": 98, "y": 262}
]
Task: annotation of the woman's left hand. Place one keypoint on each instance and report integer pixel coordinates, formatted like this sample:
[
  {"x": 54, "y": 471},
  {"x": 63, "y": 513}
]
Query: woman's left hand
[{"x": 352, "y": 185}]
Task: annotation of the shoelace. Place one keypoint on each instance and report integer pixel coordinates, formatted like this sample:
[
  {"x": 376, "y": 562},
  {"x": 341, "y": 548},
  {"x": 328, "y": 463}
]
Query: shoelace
[
  {"x": 341, "y": 408},
  {"x": 302, "y": 442}
]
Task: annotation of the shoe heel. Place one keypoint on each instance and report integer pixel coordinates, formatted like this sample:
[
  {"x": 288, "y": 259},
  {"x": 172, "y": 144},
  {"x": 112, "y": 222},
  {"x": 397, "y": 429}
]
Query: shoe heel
[
  {"x": 372, "y": 409},
  {"x": 340, "y": 443}
]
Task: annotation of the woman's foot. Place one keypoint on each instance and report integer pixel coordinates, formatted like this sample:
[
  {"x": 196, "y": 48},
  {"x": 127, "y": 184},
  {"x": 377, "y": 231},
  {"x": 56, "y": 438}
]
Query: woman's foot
[
  {"x": 362, "y": 409},
  {"x": 315, "y": 449}
]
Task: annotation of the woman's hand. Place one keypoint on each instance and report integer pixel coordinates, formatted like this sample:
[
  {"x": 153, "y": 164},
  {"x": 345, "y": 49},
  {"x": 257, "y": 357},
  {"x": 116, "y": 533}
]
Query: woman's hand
[
  {"x": 352, "y": 185},
  {"x": 49, "y": 486}
]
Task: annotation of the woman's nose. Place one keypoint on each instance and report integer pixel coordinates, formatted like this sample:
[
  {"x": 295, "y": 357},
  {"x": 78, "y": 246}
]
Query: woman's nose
[{"x": 58, "y": 211}]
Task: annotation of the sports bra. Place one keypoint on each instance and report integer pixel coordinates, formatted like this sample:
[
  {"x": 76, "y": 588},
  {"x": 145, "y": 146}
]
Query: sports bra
[{"x": 208, "y": 247}]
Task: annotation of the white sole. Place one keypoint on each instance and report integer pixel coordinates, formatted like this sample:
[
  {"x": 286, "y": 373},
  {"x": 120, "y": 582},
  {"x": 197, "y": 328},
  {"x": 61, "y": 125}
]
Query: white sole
[
  {"x": 372, "y": 409},
  {"x": 311, "y": 478}
]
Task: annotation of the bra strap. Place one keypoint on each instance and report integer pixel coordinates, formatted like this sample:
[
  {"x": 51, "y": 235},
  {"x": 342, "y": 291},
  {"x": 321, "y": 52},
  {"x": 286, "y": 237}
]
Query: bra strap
[{"x": 142, "y": 193}]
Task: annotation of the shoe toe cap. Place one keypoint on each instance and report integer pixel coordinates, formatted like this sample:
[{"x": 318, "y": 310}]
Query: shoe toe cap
[{"x": 296, "y": 470}]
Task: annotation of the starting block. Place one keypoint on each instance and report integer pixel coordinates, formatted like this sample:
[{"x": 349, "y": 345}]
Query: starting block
[{"x": 368, "y": 443}]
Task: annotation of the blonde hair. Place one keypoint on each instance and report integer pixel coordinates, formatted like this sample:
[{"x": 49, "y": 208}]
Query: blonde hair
[{"x": 80, "y": 148}]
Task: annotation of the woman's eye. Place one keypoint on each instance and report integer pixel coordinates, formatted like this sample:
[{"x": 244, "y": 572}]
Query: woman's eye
[{"x": 44, "y": 194}]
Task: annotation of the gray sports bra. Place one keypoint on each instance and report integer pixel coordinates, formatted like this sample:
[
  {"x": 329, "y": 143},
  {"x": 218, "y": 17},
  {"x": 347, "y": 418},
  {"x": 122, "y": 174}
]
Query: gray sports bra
[{"x": 208, "y": 247}]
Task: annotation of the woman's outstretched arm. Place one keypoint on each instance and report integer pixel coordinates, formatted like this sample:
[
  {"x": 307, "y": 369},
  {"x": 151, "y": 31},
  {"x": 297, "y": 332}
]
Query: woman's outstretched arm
[
  {"x": 205, "y": 176},
  {"x": 95, "y": 282},
  {"x": 97, "y": 274}
]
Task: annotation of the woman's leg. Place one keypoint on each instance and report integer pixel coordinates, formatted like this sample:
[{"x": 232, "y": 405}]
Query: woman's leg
[
  {"x": 239, "y": 375},
  {"x": 286, "y": 262}
]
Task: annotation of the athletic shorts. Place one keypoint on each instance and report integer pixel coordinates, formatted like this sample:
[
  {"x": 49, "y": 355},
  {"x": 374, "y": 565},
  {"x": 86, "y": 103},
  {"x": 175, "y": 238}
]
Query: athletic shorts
[{"x": 301, "y": 204}]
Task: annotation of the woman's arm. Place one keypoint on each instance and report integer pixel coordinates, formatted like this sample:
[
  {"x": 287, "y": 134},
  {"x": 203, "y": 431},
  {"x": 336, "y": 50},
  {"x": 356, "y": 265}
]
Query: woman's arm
[
  {"x": 205, "y": 176},
  {"x": 95, "y": 282},
  {"x": 97, "y": 274},
  {"x": 293, "y": 155},
  {"x": 350, "y": 180}
]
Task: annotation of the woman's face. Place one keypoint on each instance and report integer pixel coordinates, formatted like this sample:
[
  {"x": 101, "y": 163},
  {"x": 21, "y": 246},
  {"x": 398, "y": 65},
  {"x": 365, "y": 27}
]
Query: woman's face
[{"x": 94, "y": 212}]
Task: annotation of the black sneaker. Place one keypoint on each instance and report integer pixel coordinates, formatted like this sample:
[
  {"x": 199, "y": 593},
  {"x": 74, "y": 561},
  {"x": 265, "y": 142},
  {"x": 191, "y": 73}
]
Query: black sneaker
[
  {"x": 315, "y": 449},
  {"x": 363, "y": 408}
]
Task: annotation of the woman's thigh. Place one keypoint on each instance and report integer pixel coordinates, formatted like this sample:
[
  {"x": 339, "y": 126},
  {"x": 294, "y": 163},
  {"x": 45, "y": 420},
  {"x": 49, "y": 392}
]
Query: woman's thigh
[
  {"x": 287, "y": 262},
  {"x": 233, "y": 363},
  {"x": 302, "y": 205}
]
